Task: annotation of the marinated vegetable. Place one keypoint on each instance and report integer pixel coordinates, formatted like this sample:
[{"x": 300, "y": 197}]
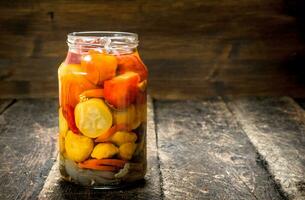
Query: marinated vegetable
[
  {"x": 125, "y": 87},
  {"x": 78, "y": 147},
  {"x": 104, "y": 150},
  {"x": 63, "y": 128},
  {"x": 105, "y": 136},
  {"x": 93, "y": 117},
  {"x": 122, "y": 137},
  {"x": 129, "y": 116},
  {"x": 132, "y": 63},
  {"x": 102, "y": 113},
  {"x": 99, "y": 66},
  {"x": 126, "y": 150}
]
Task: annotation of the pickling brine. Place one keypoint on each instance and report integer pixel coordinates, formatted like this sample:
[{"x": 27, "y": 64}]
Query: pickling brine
[{"x": 102, "y": 113}]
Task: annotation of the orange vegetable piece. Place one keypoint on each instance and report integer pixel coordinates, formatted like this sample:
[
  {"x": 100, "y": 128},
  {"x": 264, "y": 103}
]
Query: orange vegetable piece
[
  {"x": 99, "y": 66},
  {"x": 105, "y": 136},
  {"x": 111, "y": 162},
  {"x": 98, "y": 167},
  {"x": 72, "y": 84},
  {"x": 94, "y": 93},
  {"x": 122, "y": 90},
  {"x": 68, "y": 113},
  {"x": 132, "y": 63},
  {"x": 142, "y": 86}
]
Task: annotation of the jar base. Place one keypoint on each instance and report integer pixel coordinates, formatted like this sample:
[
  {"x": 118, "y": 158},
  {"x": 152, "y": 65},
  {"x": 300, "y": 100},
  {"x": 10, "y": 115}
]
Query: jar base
[{"x": 119, "y": 186}]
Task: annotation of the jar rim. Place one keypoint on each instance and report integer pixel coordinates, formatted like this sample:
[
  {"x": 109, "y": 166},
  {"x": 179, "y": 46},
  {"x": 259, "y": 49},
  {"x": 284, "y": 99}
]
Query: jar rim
[
  {"x": 108, "y": 34},
  {"x": 103, "y": 39}
]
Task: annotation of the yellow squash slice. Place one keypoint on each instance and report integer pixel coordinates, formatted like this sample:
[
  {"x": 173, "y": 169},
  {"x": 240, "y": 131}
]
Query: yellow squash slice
[
  {"x": 104, "y": 150},
  {"x": 126, "y": 150},
  {"x": 63, "y": 124},
  {"x": 128, "y": 116},
  {"x": 122, "y": 137},
  {"x": 93, "y": 117},
  {"x": 63, "y": 128},
  {"x": 78, "y": 147}
]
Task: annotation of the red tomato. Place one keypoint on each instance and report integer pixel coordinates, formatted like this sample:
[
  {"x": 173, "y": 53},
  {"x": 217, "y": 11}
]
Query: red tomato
[
  {"x": 122, "y": 90},
  {"x": 132, "y": 63}
]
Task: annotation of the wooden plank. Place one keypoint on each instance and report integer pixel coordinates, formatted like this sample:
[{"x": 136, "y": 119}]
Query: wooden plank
[
  {"x": 55, "y": 188},
  {"x": 28, "y": 89},
  {"x": 19, "y": 47},
  {"x": 276, "y": 128},
  {"x": 27, "y": 142},
  {"x": 143, "y": 15},
  {"x": 205, "y": 155},
  {"x": 44, "y": 23},
  {"x": 180, "y": 41},
  {"x": 35, "y": 69},
  {"x": 168, "y": 89}
]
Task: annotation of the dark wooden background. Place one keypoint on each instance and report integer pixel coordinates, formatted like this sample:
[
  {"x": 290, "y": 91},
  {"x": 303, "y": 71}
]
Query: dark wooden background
[{"x": 192, "y": 48}]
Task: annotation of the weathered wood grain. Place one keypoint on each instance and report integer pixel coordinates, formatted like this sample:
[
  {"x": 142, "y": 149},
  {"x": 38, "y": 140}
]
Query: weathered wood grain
[
  {"x": 200, "y": 151},
  {"x": 169, "y": 79},
  {"x": 4, "y": 104},
  {"x": 55, "y": 188},
  {"x": 192, "y": 48},
  {"x": 276, "y": 127},
  {"x": 205, "y": 155},
  {"x": 27, "y": 142}
]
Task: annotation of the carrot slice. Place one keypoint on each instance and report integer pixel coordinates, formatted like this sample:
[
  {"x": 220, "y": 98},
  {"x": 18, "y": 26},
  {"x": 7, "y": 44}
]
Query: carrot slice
[
  {"x": 110, "y": 162},
  {"x": 105, "y": 136},
  {"x": 123, "y": 127},
  {"x": 97, "y": 167},
  {"x": 93, "y": 93}
]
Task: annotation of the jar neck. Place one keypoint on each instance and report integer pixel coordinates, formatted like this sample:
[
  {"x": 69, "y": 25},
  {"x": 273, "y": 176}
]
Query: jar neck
[{"x": 108, "y": 42}]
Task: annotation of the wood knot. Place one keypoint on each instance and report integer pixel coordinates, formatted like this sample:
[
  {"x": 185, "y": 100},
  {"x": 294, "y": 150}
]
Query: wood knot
[{"x": 51, "y": 15}]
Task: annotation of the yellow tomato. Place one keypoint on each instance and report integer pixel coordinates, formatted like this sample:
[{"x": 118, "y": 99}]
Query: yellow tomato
[
  {"x": 78, "y": 147},
  {"x": 93, "y": 117},
  {"x": 104, "y": 150}
]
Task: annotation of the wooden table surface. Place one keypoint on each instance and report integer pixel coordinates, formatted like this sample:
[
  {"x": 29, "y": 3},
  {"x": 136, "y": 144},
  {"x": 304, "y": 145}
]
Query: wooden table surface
[{"x": 218, "y": 148}]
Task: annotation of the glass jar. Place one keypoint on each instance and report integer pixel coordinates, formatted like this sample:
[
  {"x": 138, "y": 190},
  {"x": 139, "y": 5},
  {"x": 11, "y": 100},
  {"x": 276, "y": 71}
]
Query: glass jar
[{"x": 102, "y": 114}]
